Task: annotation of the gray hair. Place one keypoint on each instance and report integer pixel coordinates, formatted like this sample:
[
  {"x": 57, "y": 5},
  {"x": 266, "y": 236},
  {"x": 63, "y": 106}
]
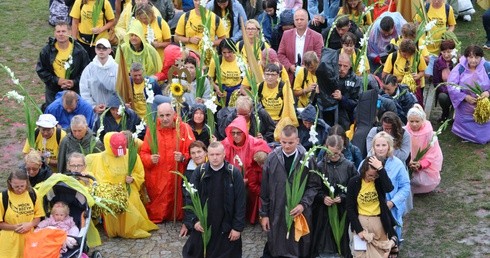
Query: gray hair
[
  {"x": 75, "y": 155},
  {"x": 78, "y": 120},
  {"x": 137, "y": 67}
]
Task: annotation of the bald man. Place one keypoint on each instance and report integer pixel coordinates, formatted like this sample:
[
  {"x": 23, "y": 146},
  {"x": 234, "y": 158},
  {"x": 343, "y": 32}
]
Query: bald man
[
  {"x": 295, "y": 42},
  {"x": 339, "y": 100},
  {"x": 163, "y": 186}
]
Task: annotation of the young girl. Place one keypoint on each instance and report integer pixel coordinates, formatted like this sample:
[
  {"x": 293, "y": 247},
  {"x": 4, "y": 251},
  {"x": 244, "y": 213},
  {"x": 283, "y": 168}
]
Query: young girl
[
  {"x": 60, "y": 219},
  {"x": 355, "y": 9},
  {"x": 442, "y": 67},
  {"x": 426, "y": 170}
]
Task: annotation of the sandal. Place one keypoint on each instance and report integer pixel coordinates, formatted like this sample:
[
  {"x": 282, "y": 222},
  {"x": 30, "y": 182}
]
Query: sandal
[{"x": 394, "y": 250}]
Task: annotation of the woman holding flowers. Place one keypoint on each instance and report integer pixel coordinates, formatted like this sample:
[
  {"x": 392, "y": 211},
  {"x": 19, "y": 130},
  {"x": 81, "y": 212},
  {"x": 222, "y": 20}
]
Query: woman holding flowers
[
  {"x": 356, "y": 10},
  {"x": 111, "y": 168},
  {"x": 396, "y": 199},
  {"x": 368, "y": 210},
  {"x": 230, "y": 77},
  {"x": 426, "y": 169},
  {"x": 91, "y": 20},
  {"x": 472, "y": 69},
  {"x": 155, "y": 28},
  {"x": 338, "y": 171}
]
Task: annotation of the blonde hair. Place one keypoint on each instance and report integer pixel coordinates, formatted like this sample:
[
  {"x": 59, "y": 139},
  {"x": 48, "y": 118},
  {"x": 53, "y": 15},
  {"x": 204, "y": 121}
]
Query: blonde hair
[
  {"x": 254, "y": 22},
  {"x": 389, "y": 140},
  {"x": 260, "y": 157},
  {"x": 61, "y": 206},
  {"x": 33, "y": 157}
]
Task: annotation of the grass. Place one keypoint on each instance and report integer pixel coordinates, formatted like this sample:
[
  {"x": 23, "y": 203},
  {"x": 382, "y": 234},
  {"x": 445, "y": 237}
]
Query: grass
[{"x": 451, "y": 223}]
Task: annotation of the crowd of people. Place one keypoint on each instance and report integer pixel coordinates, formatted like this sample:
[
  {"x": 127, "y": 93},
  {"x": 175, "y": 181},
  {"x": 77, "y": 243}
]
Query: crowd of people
[{"x": 357, "y": 139}]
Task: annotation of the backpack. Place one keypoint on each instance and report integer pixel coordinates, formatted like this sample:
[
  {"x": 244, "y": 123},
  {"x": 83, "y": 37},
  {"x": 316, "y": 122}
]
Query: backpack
[
  {"x": 58, "y": 12},
  {"x": 446, "y": 7},
  {"x": 230, "y": 169},
  {"x": 186, "y": 18},
  {"x": 279, "y": 93},
  {"x": 5, "y": 200},
  {"x": 58, "y": 134}
]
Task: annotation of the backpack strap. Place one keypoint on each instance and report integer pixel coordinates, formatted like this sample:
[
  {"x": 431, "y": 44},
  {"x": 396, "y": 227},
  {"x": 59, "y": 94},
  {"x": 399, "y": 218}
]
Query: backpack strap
[
  {"x": 58, "y": 135},
  {"x": 159, "y": 20},
  {"x": 446, "y": 7},
  {"x": 240, "y": 46},
  {"x": 5, "y": 200},
  {"x": 186, "y": 18},
  {"x": 394, "y": 56},
  {"x": 305, "y": 74},
  {"x": 260, "y": 89},
  {"x": 230, "y": 169}
]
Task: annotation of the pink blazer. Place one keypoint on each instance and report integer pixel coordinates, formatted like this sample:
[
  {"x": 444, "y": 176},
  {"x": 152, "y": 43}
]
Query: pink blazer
[{"x": 287, "y": 50}]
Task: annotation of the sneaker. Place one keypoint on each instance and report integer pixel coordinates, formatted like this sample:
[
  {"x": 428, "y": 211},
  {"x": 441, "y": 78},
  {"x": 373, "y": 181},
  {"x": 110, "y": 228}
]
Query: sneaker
[{"x": 487, "y": 45}]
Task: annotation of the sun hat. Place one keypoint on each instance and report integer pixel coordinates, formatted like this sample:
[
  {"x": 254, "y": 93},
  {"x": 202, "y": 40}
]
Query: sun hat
[
  {"x": 46, "y": 121},
  {"x": 104, "y": 42}
]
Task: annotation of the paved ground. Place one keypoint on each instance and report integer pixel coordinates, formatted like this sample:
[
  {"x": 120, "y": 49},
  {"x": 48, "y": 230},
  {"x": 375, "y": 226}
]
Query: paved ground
[{"x": 167, "y": 243}]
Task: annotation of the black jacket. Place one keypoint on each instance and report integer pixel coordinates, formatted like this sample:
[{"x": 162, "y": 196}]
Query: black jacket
[
  {"x": 383, "y": 185},
  {"x": 44, "y": 67},
  {"x": 234, "y": 197},
  {"x": 111, "y": 125}
]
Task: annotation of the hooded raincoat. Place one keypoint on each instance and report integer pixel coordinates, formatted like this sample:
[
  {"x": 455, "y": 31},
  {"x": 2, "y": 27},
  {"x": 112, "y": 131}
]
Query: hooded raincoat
[
  {"x": 148, "y": 56},
  {"x": 107, "y": 168},
  {"x": 428, "y": 177},
  {"x": 98, "y": 81},
  {"x": 464, "y": 124},
  {"x": 161, "y": 183},
  {"x": 251, "y": 170}
]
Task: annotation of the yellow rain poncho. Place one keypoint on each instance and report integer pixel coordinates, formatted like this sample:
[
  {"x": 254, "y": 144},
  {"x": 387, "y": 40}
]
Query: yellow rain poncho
[
  {"x": 148, "y": 56},
  {"x": 109, "y": 169}
]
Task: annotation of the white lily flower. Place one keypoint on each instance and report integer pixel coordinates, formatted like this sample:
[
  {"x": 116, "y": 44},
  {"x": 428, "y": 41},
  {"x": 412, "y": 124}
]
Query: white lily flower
[
  {"x": 454, "y": 52},
  {"x": 430, "y": 25},
  {"x": 134, "y": 135},
  {"x": 120, "y": 110},
  {"x": 422, "y": 47},
  {"x": 433, "y": 140},
  {"x": 454, "y": 60},
  {"x": 66, "y": 65},
  {"x": 364, "y": 41},
  {"x": 16, "y": 81},
  {"x": 361, "y": 67},
  {"x": 140, "y": 127},
  {"x": 15, "y": 96},
  {"x": 99, "y": 131},
  {"x": 313, "y": 135},
  {"x": 203, "y": 3},
  {"x": 70, "y": 60}
]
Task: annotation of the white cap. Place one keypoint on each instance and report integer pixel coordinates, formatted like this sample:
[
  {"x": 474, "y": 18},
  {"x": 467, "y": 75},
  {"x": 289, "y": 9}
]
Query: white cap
[
  {"x": 104, "y": 42},
  {"x": 46, "y": 121}
]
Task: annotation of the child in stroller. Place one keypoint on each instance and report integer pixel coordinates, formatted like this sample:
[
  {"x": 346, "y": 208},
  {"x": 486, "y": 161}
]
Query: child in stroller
[{"x": 60, "y": 219}]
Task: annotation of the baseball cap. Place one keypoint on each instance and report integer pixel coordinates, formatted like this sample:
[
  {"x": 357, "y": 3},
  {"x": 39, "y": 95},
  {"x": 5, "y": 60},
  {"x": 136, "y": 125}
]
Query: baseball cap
[
  {"x": 46, "y": 121},
  {"x": 104, "y": 42}
]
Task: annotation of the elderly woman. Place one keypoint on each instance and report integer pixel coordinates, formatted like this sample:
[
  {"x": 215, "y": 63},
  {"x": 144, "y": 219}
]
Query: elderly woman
[
  {"x": 396, "y": 199},
  {"x": 472, "y": 68},
  {"x": 155, "y": 28},
  {"x": 426, "y": 170},
  {"x": 20, "y": 212},
  {"x": 111, "y": 167},
  {"x": 37, "y": 170}
]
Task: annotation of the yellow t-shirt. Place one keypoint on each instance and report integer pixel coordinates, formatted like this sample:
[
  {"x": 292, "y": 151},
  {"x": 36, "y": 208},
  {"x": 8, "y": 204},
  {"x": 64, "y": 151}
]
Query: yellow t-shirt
[
  {"x": 424, "y": 52},
  {"x": 51, "y": 146},
  {"x": 60, "y": 59},
  {"x": 355, "y": 17},
  {"x": 367, "y": 200},
  {"x": 400, "y": 65},
  {"x": 230, "y": 72},
  {"x": 139, "y": 100},
  {"x": 284, "y": 77},
  {"x": 304, "y": 100},
  {"x": 20, "y": 210},
  {"x": 438, "y": 14},
  {"x": 161, "y": 33},
  {"x": 194, "y": 27},
  {"x": 84, "y": 15},
  {"x": 271, "y": 103}
]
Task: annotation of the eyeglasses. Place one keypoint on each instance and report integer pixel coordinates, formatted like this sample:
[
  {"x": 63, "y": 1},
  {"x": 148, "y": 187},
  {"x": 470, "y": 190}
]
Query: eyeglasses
[
  {"x": 238, "y": 133},
  {"x": 32, "y": 169},
  {"x": 333, "y": 155},
  {"x": 77, "y": 166},
  {"x": 251, "y": 29}
]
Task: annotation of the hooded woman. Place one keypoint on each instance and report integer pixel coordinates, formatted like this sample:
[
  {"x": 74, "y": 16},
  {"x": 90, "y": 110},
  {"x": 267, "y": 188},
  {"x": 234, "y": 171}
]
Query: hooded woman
[
  {"x": 197, "y": 122},
  {"x": 111, "y": 167},
  {"x": 136, "y": 49},
  {"x": 240, "y": 148}
]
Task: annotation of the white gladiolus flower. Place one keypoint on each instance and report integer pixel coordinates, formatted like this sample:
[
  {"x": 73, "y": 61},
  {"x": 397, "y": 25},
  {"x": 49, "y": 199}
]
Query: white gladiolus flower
[
  {"x": 149, "y": 91},
  {"x": 140, "y": 127},
  {"x": 369, "y": 9},
  {"x": 313, "y": 135},
  {"x": 209, "y": 103},
  {"x": 304, "y": 163},
  {"x": 454, "y": 60},
  {"x": 15, "y": 81},
  {"x": 70, "y": 60},
  {"x": 430, "y": 25},
  {"x": 190, "y": 188},
  {"x": 150, "y": 35},
  {"x": 203, "y": 3},
  {"x": 361, "y": 68},
  {"x": 66, "y": 65},
  {"x": 422, "y": 47},
  {"x": 364, "y": 41},
  {"x": 11, "y": 74},
  {"x": 454, "y": 52},
  {"x": 120, "y": 110},
  {"x": 15, "y": 96},
  {"x": 238, "y": 160},
  {"x": 433, "y": 141}
]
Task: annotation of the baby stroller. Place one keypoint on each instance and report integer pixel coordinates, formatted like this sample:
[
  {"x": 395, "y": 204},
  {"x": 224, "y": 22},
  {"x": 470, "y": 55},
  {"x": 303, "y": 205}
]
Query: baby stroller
[{"x": 67, "y": 189}]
